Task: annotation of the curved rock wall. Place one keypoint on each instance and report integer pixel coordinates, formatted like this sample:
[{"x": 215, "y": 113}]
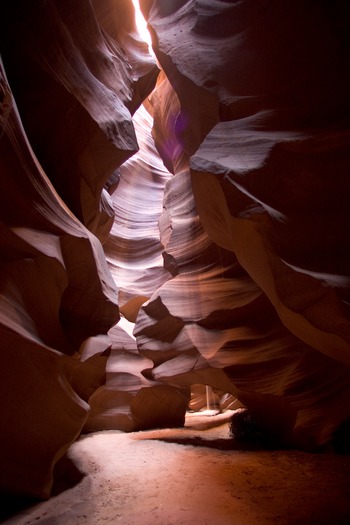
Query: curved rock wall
[
  {"x": 263, "y": 120},
  {"x": 223, "y": 209},
  {"x": 47, "y": 312},
  {"x": 66, "y": 126}
]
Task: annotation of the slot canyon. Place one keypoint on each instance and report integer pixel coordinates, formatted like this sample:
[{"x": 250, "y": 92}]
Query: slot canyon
[{"x": 175, "y": 262}]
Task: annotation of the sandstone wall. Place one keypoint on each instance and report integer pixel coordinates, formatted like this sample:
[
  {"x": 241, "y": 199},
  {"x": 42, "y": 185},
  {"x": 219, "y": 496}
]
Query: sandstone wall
[{"x": 201, "y": 238}]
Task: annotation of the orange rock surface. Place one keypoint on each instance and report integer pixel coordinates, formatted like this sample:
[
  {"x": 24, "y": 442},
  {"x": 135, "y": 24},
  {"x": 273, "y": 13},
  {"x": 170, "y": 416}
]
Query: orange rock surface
[{"x": 174, "y": 225}]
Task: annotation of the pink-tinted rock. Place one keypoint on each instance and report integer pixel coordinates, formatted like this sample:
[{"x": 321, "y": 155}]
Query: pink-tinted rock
[
  {"x": 44, "y": 383},
  {"x": 118, "y": 20},
  {"x": 291, "y": 248},
  {"x": 129, "y": 400},
  {"x": 270, "y": 188},
  {"x": 133, "y": 250},
  {"x": 165, "y": 107},
  {"x": 225, "y": 239},
  {"x": 75, "y": 89}
]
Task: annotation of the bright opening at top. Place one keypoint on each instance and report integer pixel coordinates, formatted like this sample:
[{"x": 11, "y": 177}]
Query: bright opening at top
[{"x": 141, "y": 25}]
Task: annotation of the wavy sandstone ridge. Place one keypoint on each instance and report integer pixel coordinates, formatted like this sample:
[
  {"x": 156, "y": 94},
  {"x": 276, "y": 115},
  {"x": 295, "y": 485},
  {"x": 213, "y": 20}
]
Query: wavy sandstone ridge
[
  {"x": 61, "y": 141},
  {"x": 47, "y": 314},
  {"x": 200, "y": 238},
  {"x": 270, "y": 186}
]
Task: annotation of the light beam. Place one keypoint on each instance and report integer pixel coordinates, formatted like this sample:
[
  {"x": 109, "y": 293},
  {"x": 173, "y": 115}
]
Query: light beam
[{"x": 141, "y": 26}]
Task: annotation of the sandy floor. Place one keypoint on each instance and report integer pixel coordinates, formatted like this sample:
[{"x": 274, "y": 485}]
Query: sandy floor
[{"x": 192, "y": 476}]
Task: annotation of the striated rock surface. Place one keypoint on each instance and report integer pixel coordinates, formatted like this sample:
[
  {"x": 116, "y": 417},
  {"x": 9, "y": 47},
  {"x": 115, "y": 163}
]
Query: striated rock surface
[
  {"x": 133, "y": 249},
  {"x": 222, "y": 204},
  {"x": 132, "y": 399},
  {"x": 271, "y": 189},
  {"x": 72, "y": 78},
  {"x": 46, "y": 313},
  {"x": 61, "y": 141}
]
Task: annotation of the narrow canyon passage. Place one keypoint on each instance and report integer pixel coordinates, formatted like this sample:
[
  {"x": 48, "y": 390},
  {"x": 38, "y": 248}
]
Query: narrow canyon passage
[{"x": 174, "y": 227}]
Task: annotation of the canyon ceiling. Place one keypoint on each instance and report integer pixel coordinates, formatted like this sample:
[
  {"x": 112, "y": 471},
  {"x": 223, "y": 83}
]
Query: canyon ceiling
[{"x": 171, "y": 223}]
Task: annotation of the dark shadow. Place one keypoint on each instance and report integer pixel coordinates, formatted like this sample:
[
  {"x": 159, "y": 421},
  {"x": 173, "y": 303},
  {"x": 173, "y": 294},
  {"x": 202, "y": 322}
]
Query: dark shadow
[
  {"x": 11, "y": 504},
  {"x": 66, "y": 476},
  {"x": 221, "y": 444},
  {"x": 341, "y": 439}
]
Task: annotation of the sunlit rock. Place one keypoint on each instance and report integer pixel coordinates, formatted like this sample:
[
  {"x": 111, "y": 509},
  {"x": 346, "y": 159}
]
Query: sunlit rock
[
  {"x": 180, "y": 58},
  {"x": 129, "y": 400},
  {"x": 270, "y": 187},
  {"x": 75, "y": 94},
  {"x": 118, "y": 20},
  {"x": 132, "y": 399},
  {"x": 76, "y": 88},
  {"x": 46, "y": 312},
  {"x": 165, "y": 108},
  {"x": 134, "y": 251},
  {"x": 222, "y": 204},
  {"x": 110, "y": 403},
  {"x": 281, "y": 230}
]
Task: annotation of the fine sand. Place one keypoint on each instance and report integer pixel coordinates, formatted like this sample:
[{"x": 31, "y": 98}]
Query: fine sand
[{"x": 195, "y": 475}]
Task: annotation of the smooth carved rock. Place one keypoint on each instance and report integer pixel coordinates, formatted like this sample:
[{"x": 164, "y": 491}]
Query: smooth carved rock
[
  {"x": 298, "y": 245},
  {"x": 164, "y": 105},
  {"x": 118, "y": 20},
  {"x": 270, "y": 187},
  {"x": 61, "y": 293},
  {"x": 242, "y": 57},
  {"x": 45, "y": 382},
  {"x": 129, "y": 400},
  {"x": 132, "y": 399},
  {"x": 110, "y": 403},
  {"x": 134, "y": 250},
  {"x": 75, "y": 89},
  {"x": 229, "y": 250}
]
